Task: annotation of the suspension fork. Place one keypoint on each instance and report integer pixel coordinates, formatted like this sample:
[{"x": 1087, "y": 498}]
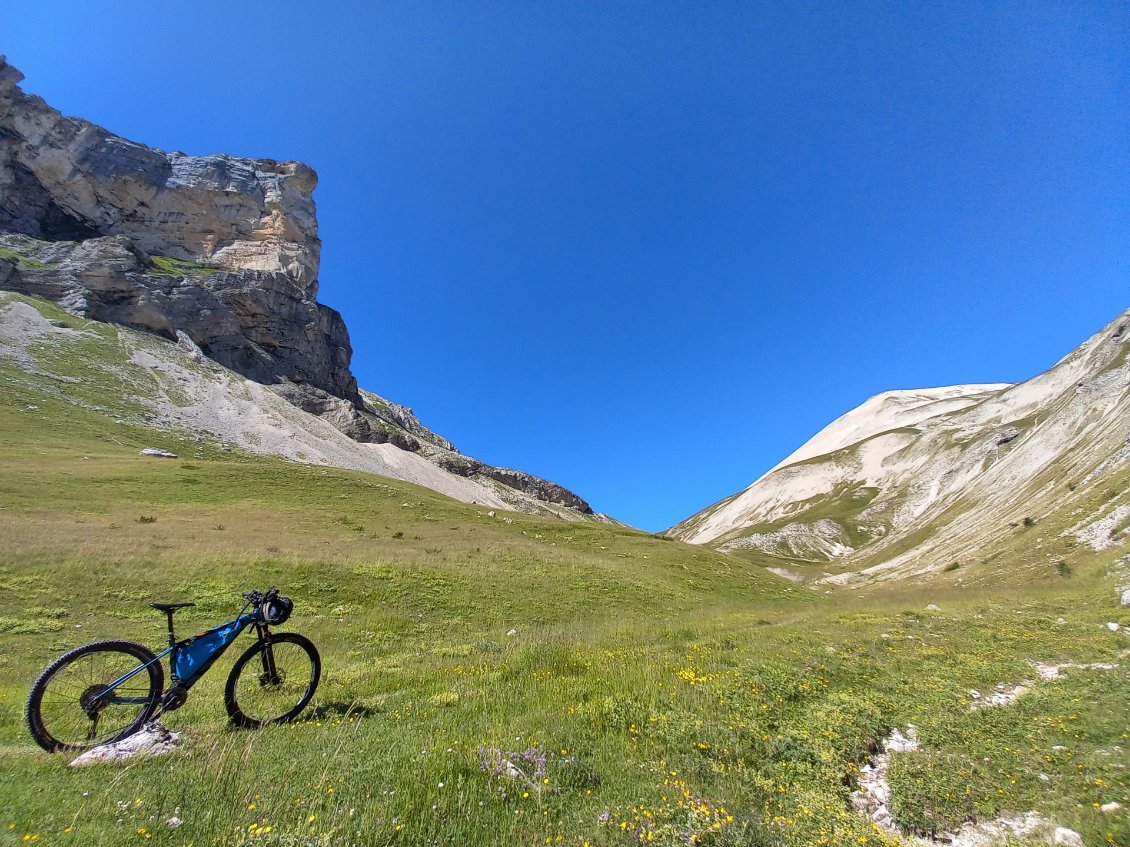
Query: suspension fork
[{"x": 267, "y": 654}]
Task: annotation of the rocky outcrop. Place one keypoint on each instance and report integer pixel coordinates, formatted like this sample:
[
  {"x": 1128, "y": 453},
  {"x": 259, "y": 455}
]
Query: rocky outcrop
[
  {"x": 258, "y": 323},
  {"x": 547, "y": 492},
  {"x": 216, "y": 253},
  {"x": 405, "y": 419},
  {"x": 359, "y": 424},
  {"x": 221, "y": 248},
  {"x": 65, "y": 179}
]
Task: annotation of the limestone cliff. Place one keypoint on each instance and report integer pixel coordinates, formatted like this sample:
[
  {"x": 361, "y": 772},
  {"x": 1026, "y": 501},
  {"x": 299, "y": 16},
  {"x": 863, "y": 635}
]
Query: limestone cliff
[
  {"x": 214, "y": 250},
  {"x": 220, "y": 248}
]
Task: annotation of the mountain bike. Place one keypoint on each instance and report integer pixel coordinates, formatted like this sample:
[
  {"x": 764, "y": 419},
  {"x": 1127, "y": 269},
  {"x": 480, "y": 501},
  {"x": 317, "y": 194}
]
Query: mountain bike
[{"x": 108, "y": 690}]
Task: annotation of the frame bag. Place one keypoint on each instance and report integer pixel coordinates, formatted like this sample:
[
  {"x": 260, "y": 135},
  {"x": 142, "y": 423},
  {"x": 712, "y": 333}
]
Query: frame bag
[{"x": 198, "y": 654}]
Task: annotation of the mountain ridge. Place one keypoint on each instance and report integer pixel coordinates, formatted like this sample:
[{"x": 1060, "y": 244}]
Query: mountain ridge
[{"x": 882, "y": 493}]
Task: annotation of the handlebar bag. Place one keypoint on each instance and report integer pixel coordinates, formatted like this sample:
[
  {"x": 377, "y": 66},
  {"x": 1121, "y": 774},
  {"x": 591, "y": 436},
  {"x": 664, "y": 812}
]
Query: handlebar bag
[{"x": 199, "y": 652}]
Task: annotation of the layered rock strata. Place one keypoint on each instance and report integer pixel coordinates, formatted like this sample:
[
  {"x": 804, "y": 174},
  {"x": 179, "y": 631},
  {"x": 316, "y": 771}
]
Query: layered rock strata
[
  {"x": 217, "y": 252},
  {"x": 222, "y": 248}
]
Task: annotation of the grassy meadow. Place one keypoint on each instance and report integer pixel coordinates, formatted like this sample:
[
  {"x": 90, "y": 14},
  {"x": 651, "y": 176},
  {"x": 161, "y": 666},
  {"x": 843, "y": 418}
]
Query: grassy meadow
[{"x": 652, "y": 692}]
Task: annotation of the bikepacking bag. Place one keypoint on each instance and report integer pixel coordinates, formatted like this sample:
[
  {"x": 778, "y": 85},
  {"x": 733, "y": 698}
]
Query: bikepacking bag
[{"x": 198, "y": 654}]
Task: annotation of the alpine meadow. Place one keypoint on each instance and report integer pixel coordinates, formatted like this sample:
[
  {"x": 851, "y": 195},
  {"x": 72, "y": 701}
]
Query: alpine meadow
[{"x": 913, "y": 630}]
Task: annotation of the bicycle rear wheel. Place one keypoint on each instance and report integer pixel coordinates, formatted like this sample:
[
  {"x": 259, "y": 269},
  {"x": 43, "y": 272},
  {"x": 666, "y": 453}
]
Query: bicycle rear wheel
[
  {"x": 72, "y": 705},
  {"x": 273, "y": 681}
]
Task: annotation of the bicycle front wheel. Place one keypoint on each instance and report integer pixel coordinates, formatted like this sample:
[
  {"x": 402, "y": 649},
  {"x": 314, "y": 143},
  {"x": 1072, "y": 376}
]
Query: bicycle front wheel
[
  {"x": 273, "y": 681},
  {"x": 75, "y": 705}
]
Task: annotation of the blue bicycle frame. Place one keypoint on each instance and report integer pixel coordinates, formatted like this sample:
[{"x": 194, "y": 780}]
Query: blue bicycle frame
[{"x": 187, "y": 667}]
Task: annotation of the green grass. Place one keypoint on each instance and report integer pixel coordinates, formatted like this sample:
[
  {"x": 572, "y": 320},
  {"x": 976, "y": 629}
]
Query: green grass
[
  {"x": 23, "y": 261},
  {"x": 167, "y": 266},
  {"x": 1120, "y": 357},
  {"x": 673, "y": 691}
]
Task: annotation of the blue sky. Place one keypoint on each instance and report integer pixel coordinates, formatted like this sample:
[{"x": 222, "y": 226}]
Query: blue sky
[{"x": 647, "y": 249}]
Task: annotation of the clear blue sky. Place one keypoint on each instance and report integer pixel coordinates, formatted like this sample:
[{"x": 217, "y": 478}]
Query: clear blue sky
[{"x": 645, "y": 249}]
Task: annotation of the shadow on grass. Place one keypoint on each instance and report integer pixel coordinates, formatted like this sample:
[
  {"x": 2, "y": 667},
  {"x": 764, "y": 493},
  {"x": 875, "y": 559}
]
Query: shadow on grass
[{"x": 340, "y": 709}]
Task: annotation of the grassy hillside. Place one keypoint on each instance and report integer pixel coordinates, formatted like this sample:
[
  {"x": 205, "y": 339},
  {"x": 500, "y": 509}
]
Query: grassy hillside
[{"x": 673, "y": 695}]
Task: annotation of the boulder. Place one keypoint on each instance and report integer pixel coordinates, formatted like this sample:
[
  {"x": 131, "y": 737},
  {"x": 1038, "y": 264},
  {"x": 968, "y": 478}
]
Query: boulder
[
  {"x": 158, "y": 453},
  {"x": 152, "y": 740}
]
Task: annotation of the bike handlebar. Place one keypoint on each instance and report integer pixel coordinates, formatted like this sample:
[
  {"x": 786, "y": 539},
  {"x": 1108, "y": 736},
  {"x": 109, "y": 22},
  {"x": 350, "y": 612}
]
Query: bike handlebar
[{"x": 257, "y": 597}]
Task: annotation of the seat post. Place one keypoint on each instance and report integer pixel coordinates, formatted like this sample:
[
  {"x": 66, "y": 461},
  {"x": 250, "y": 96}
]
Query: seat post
[{"x": 172, "y": 638}]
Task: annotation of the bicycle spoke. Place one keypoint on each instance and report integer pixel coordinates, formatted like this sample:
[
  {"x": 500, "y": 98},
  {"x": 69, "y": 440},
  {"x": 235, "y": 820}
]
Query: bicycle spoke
[
  {"x": 273, "y": 682},
  {"x": 75, "y": 706}
]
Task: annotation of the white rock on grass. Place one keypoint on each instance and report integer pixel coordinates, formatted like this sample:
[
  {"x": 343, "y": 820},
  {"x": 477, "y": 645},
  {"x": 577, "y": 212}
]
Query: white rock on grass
[
  {"x": 1110, "y": 808},
  {"x": 153, "y": 740},
  {"x": 874, "y": 795},
  {"x": 992, "y": 833},
  {"x": 158, "y": 453},
  {"x": 1112, "y": 626},
  {"x": 1067, "y": 837},
  {"x": 874, "y": 792},
  {"x": 1003, "y": 695},
  {"x": 1047, "y": 670}
]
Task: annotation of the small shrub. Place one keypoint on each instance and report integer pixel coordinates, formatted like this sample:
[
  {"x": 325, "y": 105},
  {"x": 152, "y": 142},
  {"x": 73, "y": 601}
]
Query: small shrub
[
  {"x": 1062, "y": 568},
  {"x": 349, "y": 523},
  {"x": 146, "y": 519},
  {"x": 952, "y": 566},
  {"x": 1029, "y": 522},
  {"x": 398, "y": 534}
]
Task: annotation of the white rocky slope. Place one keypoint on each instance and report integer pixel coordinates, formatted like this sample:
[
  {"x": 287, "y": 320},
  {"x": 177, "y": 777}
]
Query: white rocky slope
[
  {"x": 952, "y": 465},
  {"x": 774, "y": 494},
  {"x": 179, "y": 389}
]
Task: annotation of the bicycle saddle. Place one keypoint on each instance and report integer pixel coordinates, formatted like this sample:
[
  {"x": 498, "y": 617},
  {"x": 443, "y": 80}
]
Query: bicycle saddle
[{"x": 170, "y": 607}]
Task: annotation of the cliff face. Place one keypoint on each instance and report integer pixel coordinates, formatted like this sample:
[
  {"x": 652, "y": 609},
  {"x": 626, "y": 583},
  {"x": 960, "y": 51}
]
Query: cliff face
[
  {"x": 220, "y": 248},
  {"x": 214, "y": 250}
]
